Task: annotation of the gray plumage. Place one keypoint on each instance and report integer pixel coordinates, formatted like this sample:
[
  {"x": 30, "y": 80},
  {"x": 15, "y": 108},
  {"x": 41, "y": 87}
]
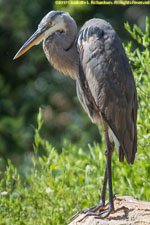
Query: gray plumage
[
  {"x": 60, "y": 47},
  {"x": 97, "y": 62},
  {"x": 97, "y": 59},
  {"x": 105, "y": 68}
]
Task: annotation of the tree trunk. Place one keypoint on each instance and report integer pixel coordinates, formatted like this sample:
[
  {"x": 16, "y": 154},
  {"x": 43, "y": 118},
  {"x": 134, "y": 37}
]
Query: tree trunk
[{"x": 128, "y": 211}]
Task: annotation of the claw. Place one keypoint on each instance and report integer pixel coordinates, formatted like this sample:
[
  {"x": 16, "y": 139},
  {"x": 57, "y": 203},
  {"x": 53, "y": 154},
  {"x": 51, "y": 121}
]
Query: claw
[
  {"x": 97, "y": 215},
  {"x": 79, "y": 212},
  {"x": 82, "y": 211},
  {"x": 87, "y": 210},
  {"x": 74, "y": 216},
  {"x": 92, "y": 211},
  {"x": 106, "y": 212}
]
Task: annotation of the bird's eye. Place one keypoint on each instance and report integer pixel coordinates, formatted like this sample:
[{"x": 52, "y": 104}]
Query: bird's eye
[{"x": 49, "y": 24}]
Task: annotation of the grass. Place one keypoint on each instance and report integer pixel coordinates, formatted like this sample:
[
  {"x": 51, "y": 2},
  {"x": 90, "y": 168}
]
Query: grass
[{"x": 60, "y": 184}]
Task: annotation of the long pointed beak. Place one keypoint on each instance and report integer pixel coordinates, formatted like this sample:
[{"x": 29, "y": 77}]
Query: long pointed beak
[{"x": 33, "y": 40}]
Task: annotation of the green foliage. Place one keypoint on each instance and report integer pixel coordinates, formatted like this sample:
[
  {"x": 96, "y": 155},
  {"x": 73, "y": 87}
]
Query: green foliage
[
  {"x": 138, "y": 35},
  {"x": 140, "y": 62},
  {"x": 30, "y": 82},
  {"x": 58, "y": 185}
]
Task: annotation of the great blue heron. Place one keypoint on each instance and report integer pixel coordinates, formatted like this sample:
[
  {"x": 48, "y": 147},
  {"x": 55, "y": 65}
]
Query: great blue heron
[{"x": 97, "y": 62}]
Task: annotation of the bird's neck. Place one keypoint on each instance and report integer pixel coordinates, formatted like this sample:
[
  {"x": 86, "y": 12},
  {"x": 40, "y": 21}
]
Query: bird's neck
[{"x": 61, "y": 52}]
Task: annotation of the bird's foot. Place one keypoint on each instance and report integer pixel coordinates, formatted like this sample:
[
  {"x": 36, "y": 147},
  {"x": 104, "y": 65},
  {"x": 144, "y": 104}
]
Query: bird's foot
[
  {"x": 88, "y": 211},
  {"x": 102, "y": 214},
  {"x": 101, "y": 208}
]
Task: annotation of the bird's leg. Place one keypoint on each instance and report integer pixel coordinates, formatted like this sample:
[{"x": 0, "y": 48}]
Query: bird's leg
[
  {"x": 103, "y": 193},
  {"x": 107, "y": 177},
  {"x": 101, "y": 203},
  {"x": 92, "y": 210},
  {"x": 108, "y": 153}
]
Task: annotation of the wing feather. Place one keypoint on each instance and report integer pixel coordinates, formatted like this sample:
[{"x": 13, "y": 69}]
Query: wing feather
[{"x": 105, "y": 71}]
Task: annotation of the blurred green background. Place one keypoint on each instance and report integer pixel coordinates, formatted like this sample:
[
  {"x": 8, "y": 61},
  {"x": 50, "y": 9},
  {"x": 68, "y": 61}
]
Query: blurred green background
[{"x": 30, "y": 82}]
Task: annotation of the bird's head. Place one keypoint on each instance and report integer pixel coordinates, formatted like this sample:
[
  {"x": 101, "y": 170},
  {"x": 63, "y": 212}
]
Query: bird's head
[{"x": 52, "y": 22}]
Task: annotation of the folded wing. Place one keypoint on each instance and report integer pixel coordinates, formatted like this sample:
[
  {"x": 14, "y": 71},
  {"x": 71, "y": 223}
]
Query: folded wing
[{"x": 106, "y": 83}]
